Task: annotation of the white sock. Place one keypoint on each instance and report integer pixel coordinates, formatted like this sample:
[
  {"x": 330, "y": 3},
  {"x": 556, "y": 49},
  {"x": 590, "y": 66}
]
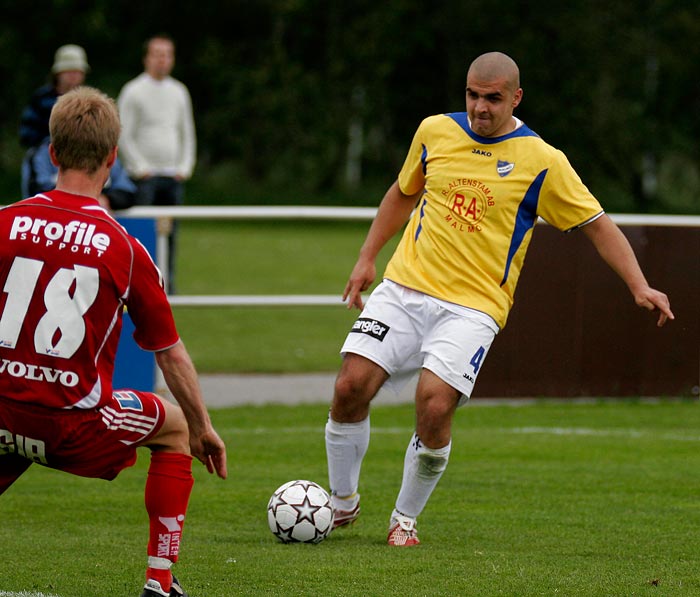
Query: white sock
[
  {"x": 422, "y": 469},
  {"x": 159, "y": 563},
  {"x": 346, "y": 445}
]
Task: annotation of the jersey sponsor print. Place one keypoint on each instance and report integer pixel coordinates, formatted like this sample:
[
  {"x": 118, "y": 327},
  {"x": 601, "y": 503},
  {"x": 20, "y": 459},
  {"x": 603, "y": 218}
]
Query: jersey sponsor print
[
  {"x": 466, "y": 241},
  {"x": 67, "y": 272}
]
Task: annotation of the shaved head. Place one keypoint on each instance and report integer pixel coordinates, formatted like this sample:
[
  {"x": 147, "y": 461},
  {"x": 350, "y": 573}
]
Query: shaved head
[
  {"x": 495, "y": 65},
  {"x": 493, "y": 92}
]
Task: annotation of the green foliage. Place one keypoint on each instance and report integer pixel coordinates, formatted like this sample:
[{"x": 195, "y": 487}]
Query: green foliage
[{"x": 542, "y": 498}]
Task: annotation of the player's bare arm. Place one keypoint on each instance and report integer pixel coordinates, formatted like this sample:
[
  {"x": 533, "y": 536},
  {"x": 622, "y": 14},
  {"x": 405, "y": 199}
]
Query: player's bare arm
[
  {"x": 614, "y": 248},
  {"x": 181, "y": 378},
  {"x": 393, "y": 213}
]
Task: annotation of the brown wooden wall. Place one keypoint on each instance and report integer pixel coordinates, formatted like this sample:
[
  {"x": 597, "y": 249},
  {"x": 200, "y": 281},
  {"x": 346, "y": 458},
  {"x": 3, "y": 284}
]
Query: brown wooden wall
[{"x": 575, "y": 330}]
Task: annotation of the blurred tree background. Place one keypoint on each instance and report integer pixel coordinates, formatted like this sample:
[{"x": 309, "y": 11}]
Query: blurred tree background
[{"x": 306, "y": 101}]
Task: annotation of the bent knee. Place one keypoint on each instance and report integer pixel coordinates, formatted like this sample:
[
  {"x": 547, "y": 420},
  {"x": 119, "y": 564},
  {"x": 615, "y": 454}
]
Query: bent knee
[
  {"x": 349, "y": 387},
  {"x": 357, "y": 383},
  {"x": 174, "y": 434},
  {"x": 351, "y": 399},
  {"x": 359, "y": 378}
]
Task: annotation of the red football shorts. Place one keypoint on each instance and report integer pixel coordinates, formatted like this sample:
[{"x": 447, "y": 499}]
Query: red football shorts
[{"x": 96, "y": 443}]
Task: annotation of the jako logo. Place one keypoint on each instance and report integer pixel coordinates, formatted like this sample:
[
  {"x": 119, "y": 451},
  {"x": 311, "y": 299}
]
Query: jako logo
[{"x": 371, "y": 327}]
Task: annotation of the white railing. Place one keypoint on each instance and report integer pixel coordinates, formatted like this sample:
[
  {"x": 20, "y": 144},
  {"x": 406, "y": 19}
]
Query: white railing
[{"x": 165, "y": 215}]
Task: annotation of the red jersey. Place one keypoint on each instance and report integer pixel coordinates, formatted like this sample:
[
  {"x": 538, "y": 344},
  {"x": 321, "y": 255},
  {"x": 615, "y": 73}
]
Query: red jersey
[{"x": 67, "y": 271}]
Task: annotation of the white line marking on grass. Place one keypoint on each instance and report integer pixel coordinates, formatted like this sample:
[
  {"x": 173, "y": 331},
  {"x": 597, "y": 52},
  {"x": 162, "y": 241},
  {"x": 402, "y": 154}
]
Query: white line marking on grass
[
  {"x": 631, "y": 433},
  {"x": 274, "y": 431},
  {"x": 575, "y": 431},
  {"x": 321, "y": 430},
  {"x": 24, "y": 594}
]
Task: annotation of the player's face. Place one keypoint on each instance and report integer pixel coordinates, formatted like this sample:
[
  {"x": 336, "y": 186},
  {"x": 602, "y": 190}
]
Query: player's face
[
  {"x": 160, "y": 58},
  {"x": 490, "y": 105}
]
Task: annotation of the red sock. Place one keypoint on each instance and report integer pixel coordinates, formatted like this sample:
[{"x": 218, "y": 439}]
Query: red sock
[{"x": 168, "y": 489}]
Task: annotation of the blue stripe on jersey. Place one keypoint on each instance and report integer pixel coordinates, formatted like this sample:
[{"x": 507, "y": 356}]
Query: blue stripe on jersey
[
  {"x": 525, "y": 219},
  {"x": 461, "y": 119},
  {"x": 420, "y": 220},
  {"x": 424, "y": 161}
]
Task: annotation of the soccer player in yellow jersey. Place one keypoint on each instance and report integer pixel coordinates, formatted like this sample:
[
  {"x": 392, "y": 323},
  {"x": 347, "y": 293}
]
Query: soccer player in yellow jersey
[{"x": 473, "y": 185}]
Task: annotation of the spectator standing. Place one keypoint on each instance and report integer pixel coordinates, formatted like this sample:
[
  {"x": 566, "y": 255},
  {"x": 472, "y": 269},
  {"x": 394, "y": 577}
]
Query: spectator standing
[
  {"x": 158, "y": 143},
  {"x": 69, "y": 270},
  {"x": 69, "y": 68}
]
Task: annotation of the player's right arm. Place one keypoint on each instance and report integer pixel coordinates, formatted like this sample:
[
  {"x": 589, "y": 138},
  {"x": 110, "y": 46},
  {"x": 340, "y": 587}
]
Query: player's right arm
[
  {"x": 155, "y": 331},
  {"x": 393, "y": 213},
  {"x": 181, "y": 378}
]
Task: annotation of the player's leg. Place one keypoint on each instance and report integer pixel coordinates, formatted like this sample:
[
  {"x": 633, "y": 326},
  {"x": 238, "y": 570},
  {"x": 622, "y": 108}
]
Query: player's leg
[
  {"x": 347, "y": 432},
  {"x": 11, "y": 468},
  {"x": 426, "y": 456},
  {"x": 136, "y": 419},
  {"x": 436, "y": 403},
  {"x": 455, "y": 348},
  {"x": 382, "y": 346},
  {"x": 168, "y": 488},
  {"x": 16, "y": 456},
  {"x": 357, "y": 383}
]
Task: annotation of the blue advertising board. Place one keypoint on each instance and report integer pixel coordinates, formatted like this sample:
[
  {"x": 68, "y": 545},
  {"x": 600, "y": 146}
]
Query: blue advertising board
[{"x": 134, "y": 367}]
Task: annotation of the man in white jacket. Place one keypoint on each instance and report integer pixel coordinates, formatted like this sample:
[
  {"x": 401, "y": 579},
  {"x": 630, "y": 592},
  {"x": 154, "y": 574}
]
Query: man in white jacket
[{"x": 158, "y": 143}]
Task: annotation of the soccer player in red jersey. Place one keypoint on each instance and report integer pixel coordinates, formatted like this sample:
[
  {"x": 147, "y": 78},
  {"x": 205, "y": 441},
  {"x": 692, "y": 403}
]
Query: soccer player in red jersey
[{"x": 68, "y": 270}]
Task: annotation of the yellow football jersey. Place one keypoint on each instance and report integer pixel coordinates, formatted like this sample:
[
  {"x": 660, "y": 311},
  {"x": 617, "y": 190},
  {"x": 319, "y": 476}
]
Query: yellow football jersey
[{"x": 467, "y": 239}]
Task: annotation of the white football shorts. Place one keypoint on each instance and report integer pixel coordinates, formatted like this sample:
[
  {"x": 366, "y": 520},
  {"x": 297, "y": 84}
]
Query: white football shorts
[{"x": 404, "y": 331}]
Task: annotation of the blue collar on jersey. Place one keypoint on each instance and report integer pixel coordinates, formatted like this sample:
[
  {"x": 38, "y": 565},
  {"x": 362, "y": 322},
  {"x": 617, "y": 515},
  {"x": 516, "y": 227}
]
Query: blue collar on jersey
[{"x": 461, "y": 119}]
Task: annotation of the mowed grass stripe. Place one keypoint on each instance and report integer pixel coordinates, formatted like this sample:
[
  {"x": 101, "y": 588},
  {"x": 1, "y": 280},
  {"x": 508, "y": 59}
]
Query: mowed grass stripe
[
  {"x": 565, "y": 431},
  {"x": 545, "y": 499},
  {"x": 24, "y": 594}
]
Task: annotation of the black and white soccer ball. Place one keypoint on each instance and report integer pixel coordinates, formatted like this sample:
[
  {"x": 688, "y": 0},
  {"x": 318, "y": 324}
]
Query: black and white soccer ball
[{"x": 300, "y": 512}]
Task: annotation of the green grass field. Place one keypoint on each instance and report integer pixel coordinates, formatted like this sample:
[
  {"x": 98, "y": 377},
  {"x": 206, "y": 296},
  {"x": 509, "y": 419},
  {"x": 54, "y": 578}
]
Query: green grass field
[
  {"x": 263, "y": 257},
  {"x": 547, "y": 498}
]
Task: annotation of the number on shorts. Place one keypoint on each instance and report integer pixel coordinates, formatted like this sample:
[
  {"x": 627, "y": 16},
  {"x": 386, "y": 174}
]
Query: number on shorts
[{"x": 477, "y": 359}]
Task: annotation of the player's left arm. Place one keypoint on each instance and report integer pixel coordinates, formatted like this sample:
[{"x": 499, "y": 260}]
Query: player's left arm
[{"x": 616, "y": 251}]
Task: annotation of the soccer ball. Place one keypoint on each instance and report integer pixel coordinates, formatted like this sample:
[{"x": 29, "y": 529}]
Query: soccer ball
[{"x": 300, "y": 512}]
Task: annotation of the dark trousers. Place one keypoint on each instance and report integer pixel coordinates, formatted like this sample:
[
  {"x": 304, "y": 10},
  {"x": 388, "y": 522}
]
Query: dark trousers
[{"x": 163, "y": 190}]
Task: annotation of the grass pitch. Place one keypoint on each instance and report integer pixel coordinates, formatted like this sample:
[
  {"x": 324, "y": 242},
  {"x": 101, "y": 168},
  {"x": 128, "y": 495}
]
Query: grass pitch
[
  {"x": 548, "y": 498},
  {"x": 263, "y": 257}
]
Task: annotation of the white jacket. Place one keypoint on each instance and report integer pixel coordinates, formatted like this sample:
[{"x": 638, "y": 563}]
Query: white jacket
[{"x": 158, "y": 135}]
